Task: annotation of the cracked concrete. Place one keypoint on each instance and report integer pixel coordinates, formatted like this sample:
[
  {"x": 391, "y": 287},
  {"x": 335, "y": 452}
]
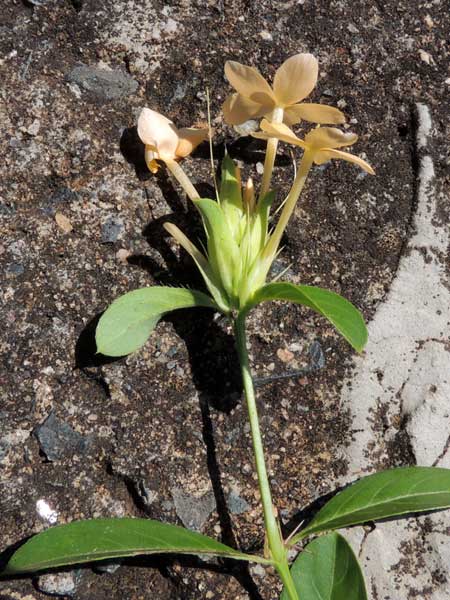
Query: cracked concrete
[{"x": 405, "y": 374}]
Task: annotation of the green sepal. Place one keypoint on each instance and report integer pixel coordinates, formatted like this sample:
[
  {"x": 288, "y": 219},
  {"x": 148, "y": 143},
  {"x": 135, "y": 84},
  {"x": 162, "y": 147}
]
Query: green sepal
[
  {"x": 262, "y": 217},
  {"x": 223, "y": 251},
  {"x": 230, "y": 195}
]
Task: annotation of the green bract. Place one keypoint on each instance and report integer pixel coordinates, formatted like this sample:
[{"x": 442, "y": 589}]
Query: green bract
[{"x": 236, "y": 228}]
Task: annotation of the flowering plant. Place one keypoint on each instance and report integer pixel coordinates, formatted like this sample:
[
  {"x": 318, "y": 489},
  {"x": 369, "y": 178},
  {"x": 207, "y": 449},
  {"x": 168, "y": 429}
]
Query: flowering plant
[{"x": 241, "y": 244}]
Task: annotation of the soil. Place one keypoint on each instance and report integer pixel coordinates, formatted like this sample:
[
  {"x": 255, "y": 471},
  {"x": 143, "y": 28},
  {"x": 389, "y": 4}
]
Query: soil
[{"x": 170, "y": 417}]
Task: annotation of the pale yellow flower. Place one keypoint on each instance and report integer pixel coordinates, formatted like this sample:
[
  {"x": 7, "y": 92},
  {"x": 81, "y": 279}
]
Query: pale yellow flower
[
  {"x": 163, "y": 141},
  {"x": 322, "y": 143},
  {"x": 293, "y": 82}
]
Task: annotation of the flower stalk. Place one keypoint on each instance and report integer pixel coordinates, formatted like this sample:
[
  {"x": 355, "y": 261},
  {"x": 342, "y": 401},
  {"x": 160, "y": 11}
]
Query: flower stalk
[
  {"x": 271, "y": 152},
  {"x": 177, "y": 171},
  {"x": 289, "y": 205},
  {"x": 277, "y": 549}
]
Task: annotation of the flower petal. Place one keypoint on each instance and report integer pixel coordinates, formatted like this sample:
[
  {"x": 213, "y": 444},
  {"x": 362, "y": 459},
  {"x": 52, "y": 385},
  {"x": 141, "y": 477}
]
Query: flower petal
[
  {"x": 329, "y": 137},
  {"x": 237, "y": 109},
  {"x": 314, "y": 113},
  {"x": 158, "y": 131},
  {"x": 295, "y": 79},
  {"x": 150, "y": 158},
  {"x": 281, "y": 132},
  {"x": 248, "y": 81},
  {"x": 328, "y": 153},
  {"x": 188, "y": 139}
]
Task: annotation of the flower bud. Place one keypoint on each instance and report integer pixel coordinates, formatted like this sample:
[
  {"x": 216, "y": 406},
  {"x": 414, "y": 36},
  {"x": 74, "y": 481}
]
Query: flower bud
[{"x": 249, "y": 196}]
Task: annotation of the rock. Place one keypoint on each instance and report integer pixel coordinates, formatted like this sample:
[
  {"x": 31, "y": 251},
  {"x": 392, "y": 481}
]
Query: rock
[
  {"x": 193, "y": 511},
  {"x": 106, "y": 85},
  {"x": 285, "y": 355},
  {"x": 58, "y": 584},
  {"x": 316, "y": 356},
  {"x": 236, "y": 504},
  {"x": 4, "y": 448},
  {"x": 108, "y": 567},
  {"x": 15, "y": 269},
  {"x": 63, "y": 222},
  {"x": 57, "y": 439},
  {"x": 39, "y": 2},
  {"x": 122, "y": 255},
  {"x": 63, "y": 195},
  {"x": 34, "y": 128},
  {"x": 46, "y": 512},
  {"x": 111, "y": 230},
  {"x": 7, "y": 208},
  {"x": 247, "y": 128}
]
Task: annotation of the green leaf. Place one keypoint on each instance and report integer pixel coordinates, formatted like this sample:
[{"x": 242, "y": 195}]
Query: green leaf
[
  {"x": 223, "y": 251},
  {"x": 327, "y": 569},
  {"x": 126, "y": 324},
  {"x": 340, "y": 312},
  {"x": 387, "y": 494},
  {"x": 102, "y": 539}
]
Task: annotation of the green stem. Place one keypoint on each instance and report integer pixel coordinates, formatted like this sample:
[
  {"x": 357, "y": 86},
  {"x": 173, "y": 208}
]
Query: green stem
[
  {"x": 277, "y": 548},
  {"x": 271, "y": 152}
]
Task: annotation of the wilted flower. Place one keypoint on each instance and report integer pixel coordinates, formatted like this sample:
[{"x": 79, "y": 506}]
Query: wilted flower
[
  {"x": 163, "y": 141},
  {"x": 321, "y": 143},
  {"x": 293, "y": 82}
]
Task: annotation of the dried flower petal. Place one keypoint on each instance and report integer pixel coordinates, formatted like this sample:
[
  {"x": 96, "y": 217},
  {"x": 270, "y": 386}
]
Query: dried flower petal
[
  {"x": 295, "y": 79},
  {"x": 237, "y": 109},
  {"x": 314, "y": 113},
  {"x": 188, "y": 139},
  {"x": 248, "y": 81}
]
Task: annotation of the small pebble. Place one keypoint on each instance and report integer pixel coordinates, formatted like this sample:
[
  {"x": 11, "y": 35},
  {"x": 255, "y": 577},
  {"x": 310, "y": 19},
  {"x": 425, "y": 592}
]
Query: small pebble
[
  {"x": 285, "y": 355},
  {"x": 15, "y": 269},
  {"x": 57, "y": 439},
  {"x": 108, "y": 567},
  {"x": 316, "y": 356},
  {"x": 352, "y": 29},
  {"x": 122, "y": 255},
  {"x": 58, "y": 584},
  {"x": 112, "y": 229},
  {"x": 266, "y": 35},
  {"x": 33, "y": 129},
  {"x": 426, "y": 57},
  {"x": 63, "y": 222},
  {"x": 193, "y": 511},
  {"x": 247, "y": 128},
  {"x": 236, "y": 504}
]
